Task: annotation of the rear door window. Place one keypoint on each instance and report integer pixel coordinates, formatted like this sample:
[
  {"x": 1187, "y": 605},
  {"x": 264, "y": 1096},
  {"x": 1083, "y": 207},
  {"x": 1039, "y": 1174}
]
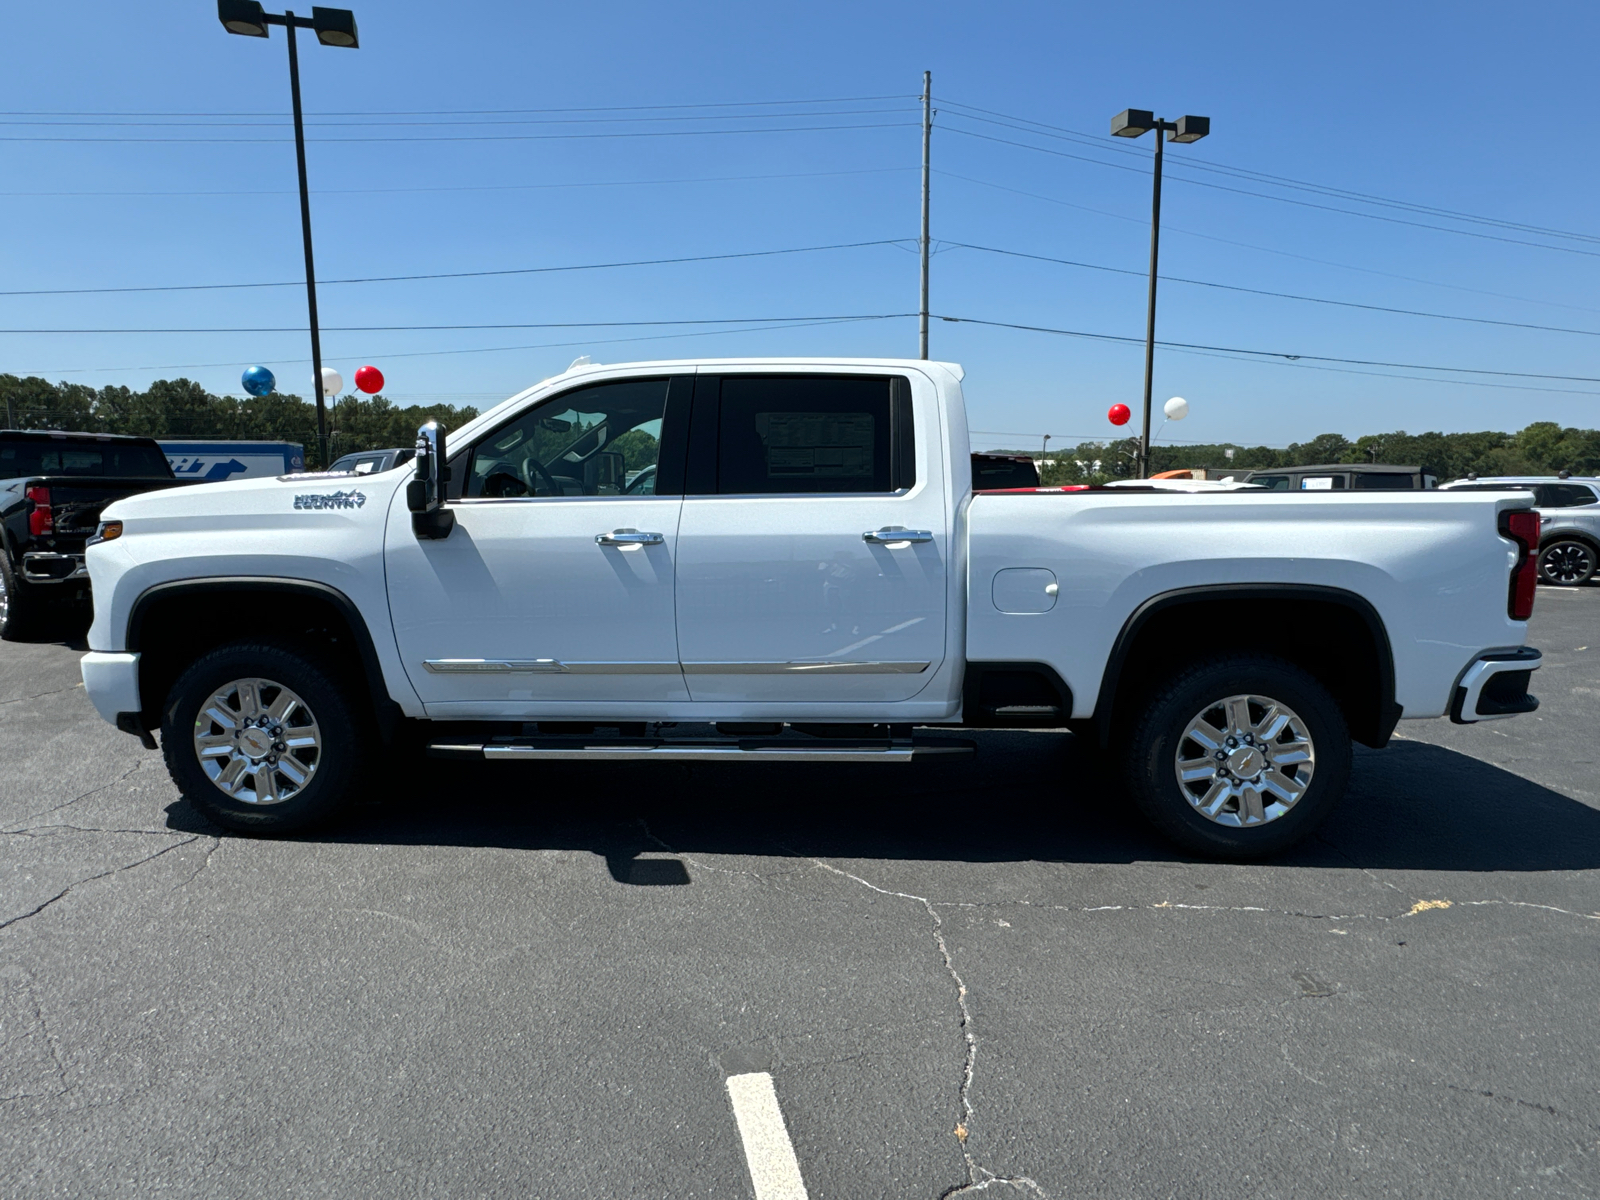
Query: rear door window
[
  {"x": 1278, "y": 483},
  {"x": 807, "y": 434},
  {"x": 1322, "y": 483}
]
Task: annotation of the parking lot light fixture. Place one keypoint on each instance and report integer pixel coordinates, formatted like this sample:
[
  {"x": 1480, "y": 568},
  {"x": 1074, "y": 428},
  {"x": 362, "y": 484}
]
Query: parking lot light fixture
[
  {"x": 1132, "y": 123},
  {"x": 243, "y": 17},
  {"x": 333, "y": 27}
]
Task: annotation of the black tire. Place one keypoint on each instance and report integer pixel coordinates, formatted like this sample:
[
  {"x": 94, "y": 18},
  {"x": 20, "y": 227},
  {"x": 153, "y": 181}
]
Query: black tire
[
  {"x": 335, "y": 762},
  {"x": 19, "y": 607},
  {"x": 1151, "y": 750},
  {"x": 1567, "y": 562}
]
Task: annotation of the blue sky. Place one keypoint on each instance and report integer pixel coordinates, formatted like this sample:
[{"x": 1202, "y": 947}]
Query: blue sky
[{"x": 1477, "y": 108}]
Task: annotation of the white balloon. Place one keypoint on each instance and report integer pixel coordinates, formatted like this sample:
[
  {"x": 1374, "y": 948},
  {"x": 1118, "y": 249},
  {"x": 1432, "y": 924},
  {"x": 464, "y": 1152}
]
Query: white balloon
[
  {"x": 1176, "y": 409},
  {"x": 332, "y": 382}
]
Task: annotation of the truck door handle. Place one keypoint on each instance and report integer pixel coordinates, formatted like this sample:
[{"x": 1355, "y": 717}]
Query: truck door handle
[
  {"x": 628, "y": 537},
  {"x": 894, "y": 535}
]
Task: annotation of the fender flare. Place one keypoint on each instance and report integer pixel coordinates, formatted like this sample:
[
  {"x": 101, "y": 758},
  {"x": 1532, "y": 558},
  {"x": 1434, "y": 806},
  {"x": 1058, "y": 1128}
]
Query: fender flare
[
  {"x": 1388, "y": 711},
  {"x": 384, "y": 707}
]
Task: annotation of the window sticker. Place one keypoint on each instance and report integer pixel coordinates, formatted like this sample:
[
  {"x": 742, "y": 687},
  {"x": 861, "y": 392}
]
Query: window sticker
[{"x": 817, "y": 445}]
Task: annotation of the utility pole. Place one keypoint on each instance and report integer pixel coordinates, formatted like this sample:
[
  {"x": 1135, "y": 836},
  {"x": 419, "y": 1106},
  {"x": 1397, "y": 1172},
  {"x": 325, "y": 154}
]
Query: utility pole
[{"x": 927, "y": 145}]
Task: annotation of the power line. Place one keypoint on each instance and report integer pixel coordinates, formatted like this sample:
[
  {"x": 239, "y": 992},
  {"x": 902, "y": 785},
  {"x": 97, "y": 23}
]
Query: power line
[
  {"x": 1081, "y": 138},
  {"x": 1316, "y": 358},
  {"x": 435, "y": 112},
  {"x": 1267, "y": 196},
  {"x": 642, "y": 262},
  {"x": 487, "y": 187},
  {"x": 1211, "y": 237},
  {"x": 386, "y": 124},
  {"x": 1407, "y": 312},
  {"x": 498, "y": 137},
  {"x": 653, "y": 337},
  {"x": 448, "y": 328}
]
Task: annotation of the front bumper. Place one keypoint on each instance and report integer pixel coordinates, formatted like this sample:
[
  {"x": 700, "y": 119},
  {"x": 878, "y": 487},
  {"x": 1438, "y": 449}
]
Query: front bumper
[
  {"x": 1495, "y": 685},
  {"x": 112, "y": 681}
]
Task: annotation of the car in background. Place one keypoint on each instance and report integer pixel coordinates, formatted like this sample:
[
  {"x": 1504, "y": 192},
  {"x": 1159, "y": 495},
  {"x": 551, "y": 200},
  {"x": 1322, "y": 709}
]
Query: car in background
[
  {"x": 1343, "y": 477},
  {"x": 1569, "y": 521},
  {"x": 53, "y": 485},
  {"x": 374, "y": 462}
]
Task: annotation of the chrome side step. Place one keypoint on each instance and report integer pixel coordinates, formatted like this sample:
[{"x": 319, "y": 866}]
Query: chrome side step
[{"x": 674, "y": 750}]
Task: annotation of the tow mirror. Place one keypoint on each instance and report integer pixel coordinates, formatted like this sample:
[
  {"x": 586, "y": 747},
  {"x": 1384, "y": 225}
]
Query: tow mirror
[{"x": 427, "y": 492}]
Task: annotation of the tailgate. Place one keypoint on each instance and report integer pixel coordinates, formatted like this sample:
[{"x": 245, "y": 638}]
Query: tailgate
[{"x": 76, "y": 502}]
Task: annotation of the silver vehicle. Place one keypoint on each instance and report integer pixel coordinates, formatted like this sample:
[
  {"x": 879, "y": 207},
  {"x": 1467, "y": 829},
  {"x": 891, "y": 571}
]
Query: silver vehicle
[
  {"x": 1569, "y": 521},
  {"x": 374, "y": 462}
]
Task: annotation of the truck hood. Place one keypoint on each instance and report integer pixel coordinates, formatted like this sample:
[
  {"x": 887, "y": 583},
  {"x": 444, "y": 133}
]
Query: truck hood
[{"x": 284, "y": 496}]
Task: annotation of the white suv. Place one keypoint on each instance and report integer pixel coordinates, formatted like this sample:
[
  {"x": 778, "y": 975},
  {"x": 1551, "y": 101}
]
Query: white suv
[{"x": 1569, "y": 521}]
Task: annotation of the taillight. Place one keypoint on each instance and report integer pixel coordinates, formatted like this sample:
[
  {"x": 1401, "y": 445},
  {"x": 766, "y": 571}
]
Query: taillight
[
  {"x": 1522, "y": 527},
  {"x": 41, "y": 520}
]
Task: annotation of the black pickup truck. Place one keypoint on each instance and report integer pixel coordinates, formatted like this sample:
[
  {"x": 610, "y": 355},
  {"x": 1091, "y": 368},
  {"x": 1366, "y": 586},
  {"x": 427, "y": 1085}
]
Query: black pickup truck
[{"x": 52, "y": 488}]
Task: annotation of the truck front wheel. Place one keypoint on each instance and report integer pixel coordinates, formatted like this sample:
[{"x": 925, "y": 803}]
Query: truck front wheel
[
  {"x": 1239, "y": 758},
  {"x": 260, "y": 739},
  {"x": 18, "y": 617}
]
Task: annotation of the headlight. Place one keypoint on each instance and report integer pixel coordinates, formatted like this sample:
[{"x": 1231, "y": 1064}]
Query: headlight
[{"x": 106, "y": 531}]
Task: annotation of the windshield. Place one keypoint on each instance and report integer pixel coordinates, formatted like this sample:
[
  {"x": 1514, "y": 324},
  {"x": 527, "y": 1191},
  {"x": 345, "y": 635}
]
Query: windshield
[{"x": 88, "y": 459}]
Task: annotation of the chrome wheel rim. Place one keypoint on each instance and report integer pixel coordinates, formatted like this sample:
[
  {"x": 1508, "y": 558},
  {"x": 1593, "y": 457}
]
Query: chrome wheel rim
[
  {"x": 5, "y": 598},
  {"x": 257, "y": 741},
  {"x": 1245, "y": 761},
  {"x": 1567, "y": 562}
]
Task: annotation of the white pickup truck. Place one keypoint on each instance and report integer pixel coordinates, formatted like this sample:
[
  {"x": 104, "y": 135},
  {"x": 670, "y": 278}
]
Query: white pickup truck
[{"x": 789, "y": 554}]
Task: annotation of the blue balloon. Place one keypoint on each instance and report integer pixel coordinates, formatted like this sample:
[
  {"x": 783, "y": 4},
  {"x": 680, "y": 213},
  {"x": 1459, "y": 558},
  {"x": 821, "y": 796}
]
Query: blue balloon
[{"x": 258, "y": 381}]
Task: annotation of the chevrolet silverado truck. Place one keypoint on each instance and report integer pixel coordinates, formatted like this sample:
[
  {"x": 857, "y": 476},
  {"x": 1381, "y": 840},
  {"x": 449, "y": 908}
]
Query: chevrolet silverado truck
[
  {"x": 53, "y": 487},
  {"x": 789, "y": 556}
]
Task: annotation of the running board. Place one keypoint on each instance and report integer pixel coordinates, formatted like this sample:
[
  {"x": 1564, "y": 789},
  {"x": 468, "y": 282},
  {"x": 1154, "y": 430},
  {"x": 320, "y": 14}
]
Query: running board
[{"x": 670, "y": 750}]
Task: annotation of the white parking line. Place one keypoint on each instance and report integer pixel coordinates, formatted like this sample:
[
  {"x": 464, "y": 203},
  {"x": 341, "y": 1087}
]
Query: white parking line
[{"x": 774, "y": 1170}]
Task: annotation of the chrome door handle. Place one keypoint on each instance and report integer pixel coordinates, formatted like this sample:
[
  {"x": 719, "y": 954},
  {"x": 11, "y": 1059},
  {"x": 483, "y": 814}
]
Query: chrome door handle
[
  {"x": 628, "y": 537},
  {"x": 894, "y": 535}
]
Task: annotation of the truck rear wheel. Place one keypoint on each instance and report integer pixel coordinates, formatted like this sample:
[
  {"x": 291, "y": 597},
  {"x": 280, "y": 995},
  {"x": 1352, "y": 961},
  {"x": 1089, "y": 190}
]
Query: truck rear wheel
[
  {"x": 1239, "y": 758},
  {"x": 260, "y": 739}
]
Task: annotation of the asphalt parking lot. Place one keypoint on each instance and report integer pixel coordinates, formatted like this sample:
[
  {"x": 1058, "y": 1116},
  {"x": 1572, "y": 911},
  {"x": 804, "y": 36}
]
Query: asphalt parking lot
[{"x": 502, "y": 982}]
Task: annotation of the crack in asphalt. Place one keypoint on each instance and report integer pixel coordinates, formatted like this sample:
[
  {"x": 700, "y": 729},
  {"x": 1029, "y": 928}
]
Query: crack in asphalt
[
  {"x": 35, "y": 831},
  {"x": 216, "y": 844},
  {"x": 979, "y": 1177},
  {"x": 67, "y": 891},
  {"x": 41, "y": 695},
  {"x": 91, "y": 792},
  {"x": 1501, "y": 1098}
]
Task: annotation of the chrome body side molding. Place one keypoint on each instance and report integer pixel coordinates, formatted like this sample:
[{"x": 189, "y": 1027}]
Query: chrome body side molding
[
  {"x": 804, "y": 668},
  {"x": 544, "y": 666}
]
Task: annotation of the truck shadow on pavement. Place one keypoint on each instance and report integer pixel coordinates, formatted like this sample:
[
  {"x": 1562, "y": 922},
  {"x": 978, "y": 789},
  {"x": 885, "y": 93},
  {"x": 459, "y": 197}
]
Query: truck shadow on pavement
[{"x": 1023, "y": 797}]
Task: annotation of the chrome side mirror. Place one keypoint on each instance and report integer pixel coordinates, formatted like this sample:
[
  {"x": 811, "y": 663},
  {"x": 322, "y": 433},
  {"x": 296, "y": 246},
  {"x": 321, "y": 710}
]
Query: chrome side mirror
[{"x": 428, "y": 490}]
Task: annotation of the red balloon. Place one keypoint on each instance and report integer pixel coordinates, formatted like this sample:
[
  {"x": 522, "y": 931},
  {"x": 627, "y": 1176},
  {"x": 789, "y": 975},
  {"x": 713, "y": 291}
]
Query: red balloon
[
  {"x": 1118, "y": 415},
  {"x": 370, "y": 380}
]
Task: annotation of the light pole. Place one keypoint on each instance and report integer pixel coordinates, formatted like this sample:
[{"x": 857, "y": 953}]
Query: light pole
[
  {"x": 333, "y": 27},
  {"x": 1132, "y": 123}
]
